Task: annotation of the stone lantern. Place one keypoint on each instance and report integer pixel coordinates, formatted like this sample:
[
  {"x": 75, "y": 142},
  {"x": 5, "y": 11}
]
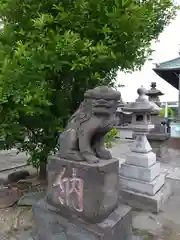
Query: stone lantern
[
  {"x": 141, "y": 183},
  {"x": 154, "y": 94},
  {"x": 159, "y": 136}
]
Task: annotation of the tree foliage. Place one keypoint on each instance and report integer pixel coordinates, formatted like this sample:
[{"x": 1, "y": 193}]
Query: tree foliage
[
  {"x": 170, "y": 111},
  {"x": 51, "y": 51}
]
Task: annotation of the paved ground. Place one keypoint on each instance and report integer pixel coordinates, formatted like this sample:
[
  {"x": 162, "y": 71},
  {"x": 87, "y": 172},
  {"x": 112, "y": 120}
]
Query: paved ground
[
  {"x": 10, "y": 159},
  {"x": 162, "y": 226}
]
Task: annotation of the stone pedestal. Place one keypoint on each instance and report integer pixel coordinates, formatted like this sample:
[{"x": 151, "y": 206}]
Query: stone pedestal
[
  {"x": 52, "y": 226},
  {"x": 82, "y": 202},
  {"x": 89, "y": 191},
  {"x": 141, "y": 183}
]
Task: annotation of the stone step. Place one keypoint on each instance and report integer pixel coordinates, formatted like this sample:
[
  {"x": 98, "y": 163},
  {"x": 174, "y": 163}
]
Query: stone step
[
  {"x": 149, "y": 188},
  {"x": 140, "y": 173}
]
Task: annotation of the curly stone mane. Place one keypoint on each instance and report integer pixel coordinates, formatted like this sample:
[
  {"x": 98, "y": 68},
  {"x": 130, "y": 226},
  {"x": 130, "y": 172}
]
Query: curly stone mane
[{"x": 83, "y": 113}]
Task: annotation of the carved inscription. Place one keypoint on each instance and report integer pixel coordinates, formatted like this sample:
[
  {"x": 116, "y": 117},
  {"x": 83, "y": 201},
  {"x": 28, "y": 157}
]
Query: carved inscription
[{"x": 70, "y": 190}]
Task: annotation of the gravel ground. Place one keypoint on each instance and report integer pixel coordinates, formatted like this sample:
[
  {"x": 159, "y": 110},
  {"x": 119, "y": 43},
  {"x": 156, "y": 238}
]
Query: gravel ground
[{"x": 15, "y": 218}]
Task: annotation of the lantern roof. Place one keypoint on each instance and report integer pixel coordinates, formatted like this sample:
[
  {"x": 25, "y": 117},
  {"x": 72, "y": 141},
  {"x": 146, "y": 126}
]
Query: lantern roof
[
  {"x": 154, "y": 92},
  {"x": 142, "y": 104}
]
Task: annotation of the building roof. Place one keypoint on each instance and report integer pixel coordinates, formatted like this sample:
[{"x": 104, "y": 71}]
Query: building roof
[
  {"x": 169, "y": 71},
  {"x": 171, "y": 64}
]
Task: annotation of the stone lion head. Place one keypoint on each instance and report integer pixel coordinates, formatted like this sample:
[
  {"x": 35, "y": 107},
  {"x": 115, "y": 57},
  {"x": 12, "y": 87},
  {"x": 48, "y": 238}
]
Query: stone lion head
[{"x": 101, "y": 100}]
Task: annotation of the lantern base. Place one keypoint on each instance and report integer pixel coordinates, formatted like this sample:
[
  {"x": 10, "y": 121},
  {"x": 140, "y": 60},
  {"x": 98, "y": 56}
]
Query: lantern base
[{"x": 145, "y": 202}]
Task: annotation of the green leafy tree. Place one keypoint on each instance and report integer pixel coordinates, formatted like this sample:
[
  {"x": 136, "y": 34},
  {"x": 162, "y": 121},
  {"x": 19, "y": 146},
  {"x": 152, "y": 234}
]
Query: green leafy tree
[
  {"x": 51, "y": 51},
  {"x": 171, "y": 113}
]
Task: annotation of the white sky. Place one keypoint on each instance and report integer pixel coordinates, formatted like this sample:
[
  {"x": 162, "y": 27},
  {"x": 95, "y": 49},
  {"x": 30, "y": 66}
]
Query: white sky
[{"x": 166, "y": 49}]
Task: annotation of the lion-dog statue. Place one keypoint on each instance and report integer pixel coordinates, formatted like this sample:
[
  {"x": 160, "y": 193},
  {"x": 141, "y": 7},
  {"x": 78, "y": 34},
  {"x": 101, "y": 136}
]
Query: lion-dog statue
[{"x": 83, "y": 137}]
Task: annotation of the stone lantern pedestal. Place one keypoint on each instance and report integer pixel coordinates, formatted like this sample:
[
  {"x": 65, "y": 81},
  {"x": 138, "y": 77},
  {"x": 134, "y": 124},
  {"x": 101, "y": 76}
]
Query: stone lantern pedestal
[{"x": 141, "y": 183}]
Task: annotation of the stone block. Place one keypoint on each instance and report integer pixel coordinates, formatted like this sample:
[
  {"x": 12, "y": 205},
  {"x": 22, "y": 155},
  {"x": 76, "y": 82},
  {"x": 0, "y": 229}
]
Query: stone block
[
  {"x": 8, "y": 196},
  {"x": 18, "y": 175},
  {"x": 89, "y": 191},
  {"x": 51, "y": 225},
  {"x": 149, "y": 188},
  {"x": 144, "y": 201},
  {"x": 140, "y": 173},
  {"x": 143, "y": 160}
]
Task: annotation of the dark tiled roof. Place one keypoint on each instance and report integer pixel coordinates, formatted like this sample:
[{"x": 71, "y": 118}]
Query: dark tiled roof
[{"x": 169, "y": 71}]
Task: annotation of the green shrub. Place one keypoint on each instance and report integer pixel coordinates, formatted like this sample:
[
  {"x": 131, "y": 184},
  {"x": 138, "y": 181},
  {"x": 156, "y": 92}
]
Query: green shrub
[{"x": 110, "y": 137}]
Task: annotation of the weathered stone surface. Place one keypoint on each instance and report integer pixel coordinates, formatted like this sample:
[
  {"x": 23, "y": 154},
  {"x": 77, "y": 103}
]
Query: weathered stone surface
[
  {"x": 149, "y": 188},
  {"x": 52, "y": 226},
  {"x": 141, "y": 144},
  {"x": 142, "y": 160},
  {"x": 140, "y": 173},
  {"x": 144, "y": 201},
  {"x": 8, "y": 196},
  {"x": 5, "y": 173},
  {"x": 83, "y": 137},
  {"x": 89, "y": 191},
  {"x": 16, "y": 176}
]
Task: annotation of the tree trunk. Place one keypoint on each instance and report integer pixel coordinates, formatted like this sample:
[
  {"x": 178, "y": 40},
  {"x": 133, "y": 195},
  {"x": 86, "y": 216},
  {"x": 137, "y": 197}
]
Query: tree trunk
[{"x": 42, "y": 170}]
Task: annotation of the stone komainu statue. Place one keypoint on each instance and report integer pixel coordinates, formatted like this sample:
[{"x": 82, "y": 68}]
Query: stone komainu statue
[{"x": 83, "y": 137}]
